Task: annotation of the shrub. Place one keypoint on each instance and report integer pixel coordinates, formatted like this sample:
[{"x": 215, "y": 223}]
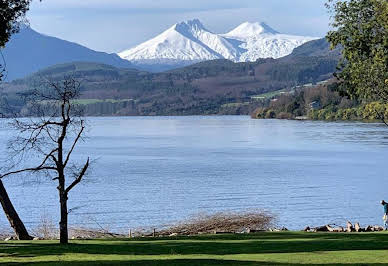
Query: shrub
[
  {"x": 284, "y": 115},
  {"x": 224, "y": 222},
  {"x": 270, "y": 114},
  {"x": 259, "y": 113}
]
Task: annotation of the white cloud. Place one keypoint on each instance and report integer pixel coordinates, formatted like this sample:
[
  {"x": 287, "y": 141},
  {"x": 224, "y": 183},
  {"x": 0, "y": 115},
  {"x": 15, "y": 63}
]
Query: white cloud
[{"x": 115, "y": 25}]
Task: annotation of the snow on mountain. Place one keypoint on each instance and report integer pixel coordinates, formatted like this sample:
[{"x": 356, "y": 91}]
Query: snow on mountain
[
  {"x": 247, "y": 29},
  {"x": 186, "y": 41},
  {"x": 191, "y": 42}
]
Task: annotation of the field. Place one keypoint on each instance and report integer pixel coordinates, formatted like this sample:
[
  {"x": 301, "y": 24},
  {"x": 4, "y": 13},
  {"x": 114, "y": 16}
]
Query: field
[
  {"x": 268, "y": 95},
  {"x": 284, "y": 248}
]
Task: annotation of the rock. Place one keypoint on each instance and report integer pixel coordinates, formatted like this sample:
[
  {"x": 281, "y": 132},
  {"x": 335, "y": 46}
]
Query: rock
[
  {"x": 307, "y": 229},
  {"x": 340, "y": 229},
  {"x": 222, "y": 232},
  {"x": 37, "y": 238},
  {"x": 329, "y": 228},
  {"x": 378, "y": 228},
  {"x": 369, "y": 228},
  {"x": 358, "y": 228},
  {"x": 321, "y": 229},
  {"x": 173, "y": 234},
  {"x": 252, "y": 231},
  {"x": 10, "y": 238},
  {"x": 349, "y": 227},
  {"x": 334, "y": 229}
]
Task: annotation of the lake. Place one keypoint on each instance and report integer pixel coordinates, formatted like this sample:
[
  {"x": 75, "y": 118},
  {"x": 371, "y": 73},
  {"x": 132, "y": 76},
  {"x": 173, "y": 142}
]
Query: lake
[{"x": 152, "y": 171}]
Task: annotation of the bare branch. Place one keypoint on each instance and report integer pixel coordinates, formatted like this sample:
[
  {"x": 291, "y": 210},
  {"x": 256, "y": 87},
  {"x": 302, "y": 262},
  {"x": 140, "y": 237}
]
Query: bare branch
[
  {"x": 74, "y": 143},
  {"x": 35, "y": 169},
  {"x": 79, "y": 178},
  {"x": 29, "y": 170}
]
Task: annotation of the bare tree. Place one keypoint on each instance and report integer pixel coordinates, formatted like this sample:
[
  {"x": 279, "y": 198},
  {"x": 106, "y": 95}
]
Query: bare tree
[{"x": 53, "y": 135}]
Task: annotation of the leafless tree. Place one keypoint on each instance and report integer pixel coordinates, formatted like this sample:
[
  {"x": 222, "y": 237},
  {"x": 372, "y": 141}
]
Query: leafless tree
[{"x": 52, "y": 135}]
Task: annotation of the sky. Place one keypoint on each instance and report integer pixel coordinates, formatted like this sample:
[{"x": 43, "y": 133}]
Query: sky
[{"x": 116, "y": 25}]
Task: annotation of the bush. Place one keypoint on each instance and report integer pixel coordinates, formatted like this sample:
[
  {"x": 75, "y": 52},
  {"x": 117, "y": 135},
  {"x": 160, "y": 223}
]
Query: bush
[
  {"x": 224, "y": 222},
  {"x": 270, "y": 114},
  {"x": 259, "y": 113},
  {"x": 284, "y": 115}
]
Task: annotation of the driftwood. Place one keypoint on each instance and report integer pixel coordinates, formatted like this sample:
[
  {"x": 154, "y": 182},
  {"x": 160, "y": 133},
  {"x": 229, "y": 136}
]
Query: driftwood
[{"x": 223, "y": 223}]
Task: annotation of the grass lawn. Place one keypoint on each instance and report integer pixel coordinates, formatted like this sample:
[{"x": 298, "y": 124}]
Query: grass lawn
[
  {"x": 268, "y": 95},
  {"x": 284, "y": 248}
]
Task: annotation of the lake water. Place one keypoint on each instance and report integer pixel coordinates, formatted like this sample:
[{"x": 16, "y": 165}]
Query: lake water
[{"x": 152, "y": 171}]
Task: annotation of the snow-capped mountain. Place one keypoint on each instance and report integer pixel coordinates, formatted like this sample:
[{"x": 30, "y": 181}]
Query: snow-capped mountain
[
  {"x": 189, "y": 42},
  {"x": 186, "y": 41}
]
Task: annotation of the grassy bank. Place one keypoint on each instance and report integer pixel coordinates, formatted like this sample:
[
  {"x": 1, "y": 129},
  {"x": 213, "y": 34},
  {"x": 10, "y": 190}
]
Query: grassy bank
[{"x": 283, "y": 248}]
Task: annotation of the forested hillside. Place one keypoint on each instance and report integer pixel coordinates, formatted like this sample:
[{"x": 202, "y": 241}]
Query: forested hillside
[{"x": 211, "y": 87}]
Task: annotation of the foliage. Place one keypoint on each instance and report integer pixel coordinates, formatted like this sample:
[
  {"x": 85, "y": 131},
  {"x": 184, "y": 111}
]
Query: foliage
[
  {"x": 204, "y": 88},
  {"x": 374, "y": 111},
  {"x": 12, "y": 14},
  {"x": 331, "y": 105},
  {"x": 361, "y": 28}
]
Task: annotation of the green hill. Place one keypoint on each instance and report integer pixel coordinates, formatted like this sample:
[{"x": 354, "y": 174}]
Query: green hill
[{"x": 211, "y": 87}]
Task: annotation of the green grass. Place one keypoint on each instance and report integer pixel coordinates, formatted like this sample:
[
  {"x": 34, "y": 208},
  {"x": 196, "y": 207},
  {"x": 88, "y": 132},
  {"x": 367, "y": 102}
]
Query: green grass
[
  {"x": 92, "y": 101},
  {"x": 231, "y": 105},
  {"x": 285, "y": 248},
  {"x": 268, "y": 95}
]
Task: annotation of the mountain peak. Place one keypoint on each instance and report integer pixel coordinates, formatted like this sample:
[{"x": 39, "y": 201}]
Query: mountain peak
[
  {"x": 189, "y": 25},
  {"x": 191, "y": 41},
  {"x": 248, "y": 29}
]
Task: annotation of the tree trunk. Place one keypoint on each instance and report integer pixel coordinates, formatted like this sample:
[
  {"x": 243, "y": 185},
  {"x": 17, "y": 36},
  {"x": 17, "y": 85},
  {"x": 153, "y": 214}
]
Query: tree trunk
[
  {"x": 12, "y": 215},
  {"x": 63, "y": 232}
]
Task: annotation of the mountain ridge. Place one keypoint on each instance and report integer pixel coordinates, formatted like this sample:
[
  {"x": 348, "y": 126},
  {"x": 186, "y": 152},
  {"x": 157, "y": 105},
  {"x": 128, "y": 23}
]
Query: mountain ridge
[
  {"x": 29, "y": 51},
  {"x": 212, "y": 87},
  {"x": 190, "y": 42}
]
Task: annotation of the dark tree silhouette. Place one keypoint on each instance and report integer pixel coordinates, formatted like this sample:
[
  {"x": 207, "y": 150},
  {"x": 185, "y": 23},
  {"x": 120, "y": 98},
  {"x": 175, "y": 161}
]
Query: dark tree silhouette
[
  {"x": 12, "y": 14},
  {"x": 53, "y": 135}
]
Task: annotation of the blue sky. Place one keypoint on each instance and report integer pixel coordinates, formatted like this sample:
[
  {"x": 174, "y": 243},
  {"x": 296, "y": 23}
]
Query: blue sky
[{"x": 116, "y": 25}]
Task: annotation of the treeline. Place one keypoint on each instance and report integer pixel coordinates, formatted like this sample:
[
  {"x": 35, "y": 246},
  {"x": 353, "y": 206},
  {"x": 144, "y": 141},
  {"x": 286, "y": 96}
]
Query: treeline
[
  {"x": 211, "y": 87},
  {"x": 322, "y": 102},
  {"x": 374, "y": 111}
]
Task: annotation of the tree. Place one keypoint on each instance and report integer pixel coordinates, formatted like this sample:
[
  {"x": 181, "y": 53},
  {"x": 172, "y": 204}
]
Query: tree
[
  {"x": 53, "y": 135},
  {"x": 361, "y": 28},
  {"x": 12, "y": 13}
]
